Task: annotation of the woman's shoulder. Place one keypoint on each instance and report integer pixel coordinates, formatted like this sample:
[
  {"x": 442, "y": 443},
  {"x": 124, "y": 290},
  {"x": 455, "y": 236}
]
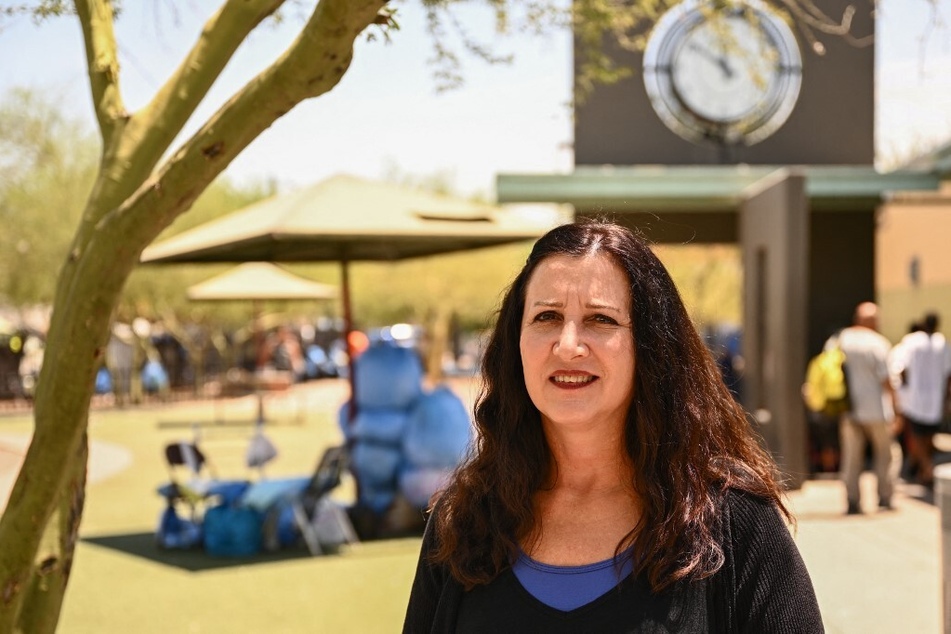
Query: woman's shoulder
[
  {"x": 747, "y": 511},
  {"x": 436, "y": 517},
  {"x": 743, "y": 501},
  {"x": 764, "y": 572},
  {"x": 430, "y": 533},
  {"x": 754, "y": 527}
]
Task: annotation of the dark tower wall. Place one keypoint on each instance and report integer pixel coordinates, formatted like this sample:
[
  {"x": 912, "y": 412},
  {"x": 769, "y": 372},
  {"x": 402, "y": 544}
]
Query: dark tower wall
[{"x": 841, "y": 270}]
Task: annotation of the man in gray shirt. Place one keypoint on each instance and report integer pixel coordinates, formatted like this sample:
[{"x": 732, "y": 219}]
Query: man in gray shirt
[{"x": 871, "y": 419}]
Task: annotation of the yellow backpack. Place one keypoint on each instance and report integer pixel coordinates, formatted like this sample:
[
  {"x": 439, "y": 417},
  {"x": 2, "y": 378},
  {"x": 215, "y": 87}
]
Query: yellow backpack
[{"x": 826, "y": 389}]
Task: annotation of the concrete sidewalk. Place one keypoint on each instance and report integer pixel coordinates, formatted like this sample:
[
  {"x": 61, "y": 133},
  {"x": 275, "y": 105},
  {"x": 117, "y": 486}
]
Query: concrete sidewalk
[
  {"x": 879, "y": 572},
  {"x": 105, "y": 460}
]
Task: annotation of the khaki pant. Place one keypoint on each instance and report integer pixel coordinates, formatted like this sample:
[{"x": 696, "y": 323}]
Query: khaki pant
[{"x": 853, "y": 437}]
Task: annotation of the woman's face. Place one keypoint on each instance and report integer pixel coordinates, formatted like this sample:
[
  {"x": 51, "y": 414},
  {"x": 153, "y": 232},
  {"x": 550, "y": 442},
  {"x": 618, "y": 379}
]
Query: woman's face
[{"x": 576, "y": 343}]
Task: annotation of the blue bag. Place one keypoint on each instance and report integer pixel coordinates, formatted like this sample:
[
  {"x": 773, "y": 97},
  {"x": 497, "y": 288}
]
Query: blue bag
[
  {"x": 375, "y": 464},
  {"x": 103, "y": 381},
  {"x": 384, "y": 426},
  {"x": 154, "y": 377},
  {"x": 232, "y": 531}
]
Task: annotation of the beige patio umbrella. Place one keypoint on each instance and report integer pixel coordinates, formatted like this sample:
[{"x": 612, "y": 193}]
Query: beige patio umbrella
[
  {"x": 346, "y": 219},
  {"x": 258, "y": 282}
]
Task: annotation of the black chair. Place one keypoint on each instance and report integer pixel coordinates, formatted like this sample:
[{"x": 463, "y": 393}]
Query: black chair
[
  {"x": 190, "y": 474},
  {"x": 324, "y": 525}
]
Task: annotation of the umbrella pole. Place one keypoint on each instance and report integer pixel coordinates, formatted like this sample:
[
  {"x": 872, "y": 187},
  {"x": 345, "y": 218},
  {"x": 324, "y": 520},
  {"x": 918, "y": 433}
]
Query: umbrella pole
[
  {"x": 258, "y": 338},
  {"x": 351, "y": 375},
  {"x": 348, "y": 327}
]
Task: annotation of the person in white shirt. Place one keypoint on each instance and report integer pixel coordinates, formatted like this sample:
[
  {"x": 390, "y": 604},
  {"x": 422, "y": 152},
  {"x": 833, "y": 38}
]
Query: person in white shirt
[{"x": 922, "y": 364}]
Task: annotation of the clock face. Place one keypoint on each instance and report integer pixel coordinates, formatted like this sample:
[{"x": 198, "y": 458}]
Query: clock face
[{"x": 730, "y": 77}]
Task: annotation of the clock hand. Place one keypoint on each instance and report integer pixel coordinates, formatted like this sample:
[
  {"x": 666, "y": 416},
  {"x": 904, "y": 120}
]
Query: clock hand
[
  {"x": 725, "y": 67},
  {"x": 719, "y": 60}
]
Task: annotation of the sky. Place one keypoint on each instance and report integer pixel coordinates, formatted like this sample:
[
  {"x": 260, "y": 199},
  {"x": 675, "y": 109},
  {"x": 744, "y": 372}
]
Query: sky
[{"x": 387, "y": 117}]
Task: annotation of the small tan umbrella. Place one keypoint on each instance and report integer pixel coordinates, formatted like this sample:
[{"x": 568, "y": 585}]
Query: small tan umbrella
[{"x": 259, "y": 281}]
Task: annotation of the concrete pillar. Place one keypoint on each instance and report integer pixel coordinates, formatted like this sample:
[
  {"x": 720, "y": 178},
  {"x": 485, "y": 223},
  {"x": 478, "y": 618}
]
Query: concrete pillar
[
  {"x": 942, "y": 476},
  {"x": 774, "y": 237}
]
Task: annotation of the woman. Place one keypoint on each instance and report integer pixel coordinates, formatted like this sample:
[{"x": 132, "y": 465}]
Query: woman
[{"x": 615, "y": 485}]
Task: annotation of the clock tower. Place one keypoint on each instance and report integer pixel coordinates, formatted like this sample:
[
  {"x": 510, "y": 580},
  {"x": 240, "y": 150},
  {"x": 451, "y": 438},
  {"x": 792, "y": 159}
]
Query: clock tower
[{"x": 735, "y": 87}]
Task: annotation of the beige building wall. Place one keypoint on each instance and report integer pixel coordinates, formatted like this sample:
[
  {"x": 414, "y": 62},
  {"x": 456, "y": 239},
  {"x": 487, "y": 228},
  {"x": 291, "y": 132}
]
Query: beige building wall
[{"x": 914, "y": 227}]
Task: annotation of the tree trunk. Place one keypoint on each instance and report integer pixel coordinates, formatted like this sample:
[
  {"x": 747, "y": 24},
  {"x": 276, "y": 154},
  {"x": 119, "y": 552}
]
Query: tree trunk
[
  {"x": 38, "y": 530},
  {"x": 43, "y": 597}
]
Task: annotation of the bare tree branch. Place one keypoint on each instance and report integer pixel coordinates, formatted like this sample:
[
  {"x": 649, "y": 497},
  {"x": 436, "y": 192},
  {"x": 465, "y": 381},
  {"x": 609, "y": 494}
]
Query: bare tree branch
[
  {"x": 155, "y": 126},
  {"x": 312, "y": 65},
  {"x": 809, "y": 18},
  {"x": 96, "y": 17}
]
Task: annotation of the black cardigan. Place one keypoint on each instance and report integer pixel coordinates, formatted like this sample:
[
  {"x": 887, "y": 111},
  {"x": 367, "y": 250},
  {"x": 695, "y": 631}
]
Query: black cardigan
[{"x": 763, "y": 587}]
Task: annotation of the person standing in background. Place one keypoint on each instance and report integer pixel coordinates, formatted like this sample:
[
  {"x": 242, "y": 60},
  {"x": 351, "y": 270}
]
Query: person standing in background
[
  {"x": 922, "y": 365},
  {"x": 872, "y": 417},
  {"x": 905, "y": 466}
]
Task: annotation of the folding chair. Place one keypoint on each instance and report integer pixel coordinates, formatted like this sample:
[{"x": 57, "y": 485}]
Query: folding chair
[
  {"x": 323, "y": 524},
  {"x": 187, "y": 466},
  {"x": 187, "y": 457},
  {"x": 185, "y": 454}
]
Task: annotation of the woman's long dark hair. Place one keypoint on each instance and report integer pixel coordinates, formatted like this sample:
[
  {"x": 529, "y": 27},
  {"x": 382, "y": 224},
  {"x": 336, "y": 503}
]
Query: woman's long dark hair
[{"x": 688, "y": 440}]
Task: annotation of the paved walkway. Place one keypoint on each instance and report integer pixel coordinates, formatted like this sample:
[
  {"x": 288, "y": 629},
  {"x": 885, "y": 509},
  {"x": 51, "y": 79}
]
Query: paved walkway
[
  {"x": 876, "y": 572},
  {"x": 105, "y": 459}
]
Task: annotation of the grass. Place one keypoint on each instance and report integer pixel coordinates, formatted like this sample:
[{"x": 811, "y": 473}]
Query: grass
[{"x": 121, "y": 582}]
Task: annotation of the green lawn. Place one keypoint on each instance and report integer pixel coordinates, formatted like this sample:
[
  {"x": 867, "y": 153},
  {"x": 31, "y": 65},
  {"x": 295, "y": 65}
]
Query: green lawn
[{"x": 121, "y": 582}]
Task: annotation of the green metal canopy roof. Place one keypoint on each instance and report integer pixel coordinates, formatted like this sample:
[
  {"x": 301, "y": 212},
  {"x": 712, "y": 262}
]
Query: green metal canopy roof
[{"x": 704, "y": 188}]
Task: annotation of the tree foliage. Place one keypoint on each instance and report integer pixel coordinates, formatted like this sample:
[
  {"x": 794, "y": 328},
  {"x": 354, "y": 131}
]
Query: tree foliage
[
  {"x": 38, "y": 9},
  {"x": 47, "y": 166},
  {"x": 604, "y": 27}
]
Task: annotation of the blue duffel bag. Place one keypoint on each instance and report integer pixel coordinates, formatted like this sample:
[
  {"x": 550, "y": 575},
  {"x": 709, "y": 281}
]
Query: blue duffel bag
[{"x": 232, "y": 531}]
